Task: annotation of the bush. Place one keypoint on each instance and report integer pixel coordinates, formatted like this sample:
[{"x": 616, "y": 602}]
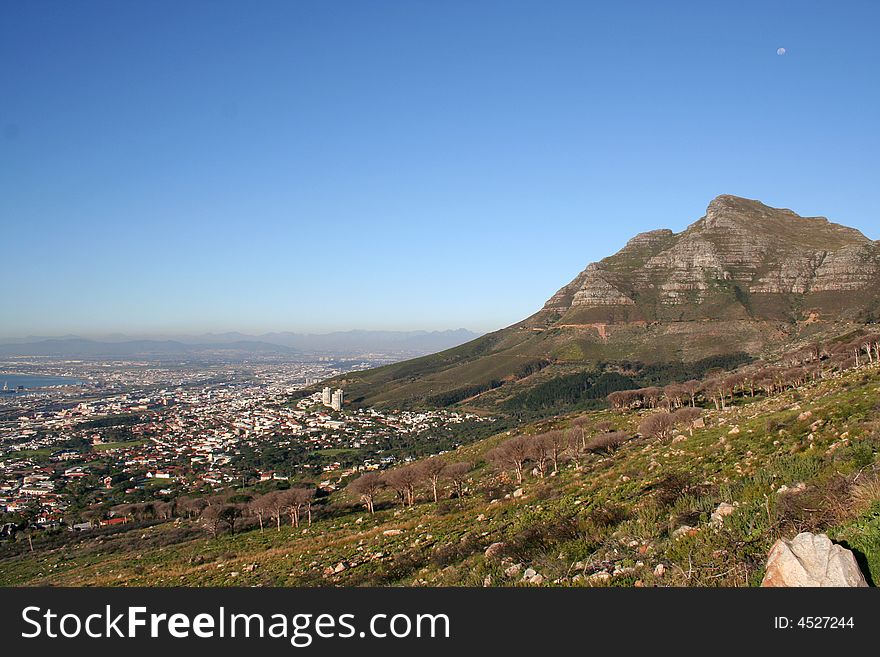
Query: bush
[
  {"x": 452, "y": 553},
  {"x": 671, "y": 487},
  {"x": 865, "y": 494},
  {"x": 607, "y": 442},
  {"x": 608, "y": 515}
]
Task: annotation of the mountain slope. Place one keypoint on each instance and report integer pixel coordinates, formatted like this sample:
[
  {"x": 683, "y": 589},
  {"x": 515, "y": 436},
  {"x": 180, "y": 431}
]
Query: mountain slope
[
  {"x": 801, "y": 460},
  {"x": 743, "y": 278}
]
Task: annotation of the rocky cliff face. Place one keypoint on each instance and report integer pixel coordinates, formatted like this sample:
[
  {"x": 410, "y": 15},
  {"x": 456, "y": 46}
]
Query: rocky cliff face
[{"x": 742, "y": 257}]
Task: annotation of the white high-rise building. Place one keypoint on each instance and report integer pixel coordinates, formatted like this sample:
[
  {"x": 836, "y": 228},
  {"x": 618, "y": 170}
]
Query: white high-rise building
[
  {"x": 327, "y": 396},
  {"x": 336, "y": 400}
]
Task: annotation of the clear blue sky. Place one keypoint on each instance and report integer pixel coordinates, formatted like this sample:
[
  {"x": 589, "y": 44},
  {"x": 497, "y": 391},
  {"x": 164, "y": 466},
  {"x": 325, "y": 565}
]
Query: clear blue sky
[{"x": 311, "y": 166}]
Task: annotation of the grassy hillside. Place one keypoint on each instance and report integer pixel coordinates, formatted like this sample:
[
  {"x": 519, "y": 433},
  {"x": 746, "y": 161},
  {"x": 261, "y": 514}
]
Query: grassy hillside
[
  {"x": 510, "y": 362},
  {"x": 805, "y": 459}
]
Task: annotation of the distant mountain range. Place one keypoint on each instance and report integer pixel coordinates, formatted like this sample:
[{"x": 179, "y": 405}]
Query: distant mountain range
[
  {"x": 743, "y": 279},
  {"x": 342, "y": 343}
]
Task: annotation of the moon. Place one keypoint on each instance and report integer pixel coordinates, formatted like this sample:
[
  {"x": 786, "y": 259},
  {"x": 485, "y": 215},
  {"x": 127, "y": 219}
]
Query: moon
[{"x": 780, "y": 51}]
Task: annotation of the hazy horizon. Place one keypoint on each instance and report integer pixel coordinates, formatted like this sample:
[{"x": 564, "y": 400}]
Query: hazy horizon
[
  {"x": 177, "y": 167},
  {"x": 170, "y": 335}
]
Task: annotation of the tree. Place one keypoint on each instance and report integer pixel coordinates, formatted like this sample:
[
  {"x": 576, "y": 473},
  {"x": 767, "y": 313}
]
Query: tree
[
  {"x": 165, "y": 510},
  {"x": 714, "y": 390},
  {"x": 687, "y": 416},
  {"x": 229, "y": 514},
  {"x": 556, "y": 446},
  {"x": 367, "y": 486},
  {"x": 513, "y": 454},
  {"x": 577, "y": 442},
  {"x": 539, "y": 450},
  {"x": 94, "y": 515},
  {"x": 657, "y": 425},
  {"x": 692, "y": 389},
  {"x": 261, "y": 507},
  {"x": 748, "y": 382},
  {"x": 214, "y": 516},
  {"x": 276, "y": 502},
  {"x": 577, "y": 435},
  {"x": 855, "y": 348},
  {"x": 192, "y": 507},
  {"x": 457, "y": 473},
  {"x": 295, "y": 499},
  {"x": 404, "y": 480},
  {"x": 651, "y": 396},
  {"x": 673, "y": 394},
  {"x": 431, "y": 471},
  {"x": 120, "y": 511},
  {"x": 619, "y": 399}
]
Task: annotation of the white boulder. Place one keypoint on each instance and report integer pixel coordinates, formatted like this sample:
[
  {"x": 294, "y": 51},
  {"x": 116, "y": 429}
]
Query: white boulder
[{"x": 811, "y": 560}]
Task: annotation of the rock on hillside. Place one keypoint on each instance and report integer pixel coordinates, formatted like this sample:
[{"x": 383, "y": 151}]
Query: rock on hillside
[{"x": 811, "y": 560}]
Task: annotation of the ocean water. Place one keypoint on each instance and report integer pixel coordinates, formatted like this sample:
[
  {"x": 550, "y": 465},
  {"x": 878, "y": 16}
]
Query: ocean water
[{"x": 30, "y": 381}]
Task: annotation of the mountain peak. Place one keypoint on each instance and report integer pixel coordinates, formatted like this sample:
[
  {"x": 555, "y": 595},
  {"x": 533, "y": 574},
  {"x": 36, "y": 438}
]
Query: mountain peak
[
  {"x": 735, "y": 212},
  {"x": 741, "y": 259}
]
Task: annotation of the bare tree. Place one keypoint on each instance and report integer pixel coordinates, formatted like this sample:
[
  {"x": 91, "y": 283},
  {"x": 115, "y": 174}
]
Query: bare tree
[
  {"x": 651, "y": 396},
  {"x": 94, "y": 515},
  {"x": 619, "y": 399},
  {"x": 686, "y": 417},
  {"x": 577, "y": 435},
  {"x": 692, "y": 389},
  {"x": 165, "y": 510},
  {"x": 192, "y": 507},
  {"x": 855, "y": 348},
  {"x": 404, "y": 480},
  {"x": 367, "y": 486},
  {"x": 141, "y": 511},
  {"x": 432, "y": 471},
  {"x": 657, "y": 425},
  {"x": 714, "y": 390},
  {"x": 748, "y": 382},
  {"x": 121, "y": 511},
  {"x": 539, "y": 451},
  {"x": 261, "y": 507},
  {"x": 513, "y": 454},
  {"x": 457, "y": 473},
  {"x": 294, "y": 499},
  {"x": 673, "y": 394},
  {"x": 215, "y": 516},
  {"x": 276, "y": 503},
  {"x": 556, "y": 446},
  {"x": 577, "y": 442}
]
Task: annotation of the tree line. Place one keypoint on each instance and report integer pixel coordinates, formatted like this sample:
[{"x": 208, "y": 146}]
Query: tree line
[
  {"x": 218, "y": 511},
  {"x": 793, "y": 370},
  {"x": 433, "y": 476},
  {"x": 545, "y": 453}
]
